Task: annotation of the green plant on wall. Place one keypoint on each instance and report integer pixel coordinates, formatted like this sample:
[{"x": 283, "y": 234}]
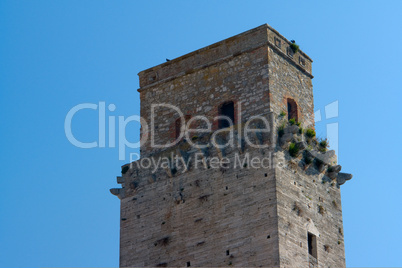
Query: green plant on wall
[
  {"x": 292, "y": 121},
  {"x": 281, "y": 130},
  {"x": 293, "y": 150},
  {"x": 294, "y": 46},
  {"x": 310, "y": 133},
  {"x": 323, "y": 145}
]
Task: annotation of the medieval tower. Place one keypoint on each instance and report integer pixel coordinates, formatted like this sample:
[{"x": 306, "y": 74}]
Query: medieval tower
[{"x": 252, "y": 188}]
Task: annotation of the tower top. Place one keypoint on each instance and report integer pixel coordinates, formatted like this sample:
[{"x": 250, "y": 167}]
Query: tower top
[{"x": 247, "y": 41}]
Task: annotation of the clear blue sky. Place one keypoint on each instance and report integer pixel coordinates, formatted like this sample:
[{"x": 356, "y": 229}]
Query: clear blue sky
[{"x": 55, "y": 205}]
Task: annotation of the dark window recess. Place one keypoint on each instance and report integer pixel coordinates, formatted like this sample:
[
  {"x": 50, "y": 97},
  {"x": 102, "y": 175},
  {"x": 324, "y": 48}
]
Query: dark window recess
[
  {"x": 226, "y": 109},
  {"x": 292, "y": 109},
  {"x": 302, "y": 61},
  {"x": 290, "y": 52},
  {"x": 188, "y": 264},
  {"x": 227, "y": 252},
  {"x": 278, "y": 42},
  {"x": 312, "y": 245}
]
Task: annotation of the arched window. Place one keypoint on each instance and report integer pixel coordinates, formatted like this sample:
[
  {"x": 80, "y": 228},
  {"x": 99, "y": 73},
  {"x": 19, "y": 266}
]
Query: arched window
[
  {"x": 226, "y": 109},
  {"x": 292, "y": 109}
]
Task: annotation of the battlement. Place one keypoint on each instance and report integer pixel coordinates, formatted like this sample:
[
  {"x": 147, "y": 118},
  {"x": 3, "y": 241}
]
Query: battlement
[
  {"x": 250, "y": 40},
  {"x": 194, "y": 155},
  {"x": 197, "y": 155}
]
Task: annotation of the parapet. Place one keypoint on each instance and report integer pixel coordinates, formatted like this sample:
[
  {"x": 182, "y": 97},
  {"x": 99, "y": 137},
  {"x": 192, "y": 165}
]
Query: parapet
[{"x": 248, "y": 41}]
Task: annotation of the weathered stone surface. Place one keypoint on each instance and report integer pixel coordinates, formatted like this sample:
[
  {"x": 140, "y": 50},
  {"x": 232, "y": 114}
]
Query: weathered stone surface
[
  {"x": 322, "y": 167},
  {"x": 287, "y": 137},
  {"x": 120, "y": 179},
  {"x": 301, "y": 145},
  {"x": 291, "y": 129},
  {"x": 333, "y": 171},
  {"x": 327, "y": 158},
  {"x": 117, "y": 192},
  {"x": 245, "y": 217},
  {"x": 332, "y": 175},
  {"x": 343, "y": 177},
  {"x": 337, "y": 168}
]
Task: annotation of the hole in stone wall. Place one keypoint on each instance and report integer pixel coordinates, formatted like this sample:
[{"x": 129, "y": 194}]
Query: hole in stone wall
[
  {"x": 227, "y": 252},
  {"x": 290, "y": 52},
  {"x": 268, "y": 236},
  {"x": 292, "y": 109},
  {"x": 302, "y": 61},
  {"x": 200, "y": 243},
  {"x": 312, "y": 244},
  {"x": 278, "y": 42},
  {"x": 226, "y": 109},
  {"x": 198, "y": 220},
  {"x": 227, "y": 188},
  {"x": 266, "y": 175},
  {"x": 188, "y": 264}
]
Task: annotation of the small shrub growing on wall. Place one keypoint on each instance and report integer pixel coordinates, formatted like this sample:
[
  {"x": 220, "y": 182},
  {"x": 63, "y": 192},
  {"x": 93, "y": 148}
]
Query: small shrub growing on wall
[
  {"x": 294, "y": 46},
  {"x": 292, "y": 121},
  {"x": 323, "y": 145},
  {"x": 310, "y": 133},
  {"x": 281, "y": 130},
  {"x": 293, "y": 150}
]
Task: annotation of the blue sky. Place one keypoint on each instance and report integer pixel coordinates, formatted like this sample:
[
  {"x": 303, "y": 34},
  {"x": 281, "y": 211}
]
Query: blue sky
[{"x": 55, "y": 206}]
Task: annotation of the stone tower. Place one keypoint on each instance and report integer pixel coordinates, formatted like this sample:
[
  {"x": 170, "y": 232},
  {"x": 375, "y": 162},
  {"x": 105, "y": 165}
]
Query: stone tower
[{"x": 252, "y": 188}]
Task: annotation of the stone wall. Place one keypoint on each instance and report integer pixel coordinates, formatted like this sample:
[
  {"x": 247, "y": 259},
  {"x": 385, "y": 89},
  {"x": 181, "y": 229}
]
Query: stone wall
[
  {"x": 287, "y": 81},
  {"x": 230, "y": 216},
  {"x": 242, "y": 79},
  {"x": 306, "y": 202},
  {"x": 249, "y": 69},
  {"x": 202, "y": 217}
]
